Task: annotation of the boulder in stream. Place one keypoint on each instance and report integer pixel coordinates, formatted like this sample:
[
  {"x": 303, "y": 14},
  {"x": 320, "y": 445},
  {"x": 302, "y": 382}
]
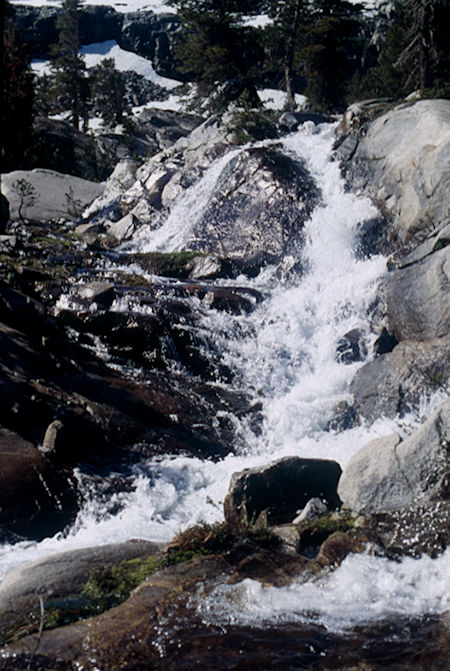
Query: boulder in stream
[
  {"x": 280, "y": 489},
  {"x": 390, "y": 474}
]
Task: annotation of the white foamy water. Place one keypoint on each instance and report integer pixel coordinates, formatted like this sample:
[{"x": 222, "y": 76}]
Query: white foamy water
[
  {"x": 283, "y": 355},
  {"x": 373, "y": 587}
]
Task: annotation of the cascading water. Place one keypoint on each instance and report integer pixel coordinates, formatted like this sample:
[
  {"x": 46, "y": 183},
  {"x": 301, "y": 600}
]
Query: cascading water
[{"x": 284, "y": 354}]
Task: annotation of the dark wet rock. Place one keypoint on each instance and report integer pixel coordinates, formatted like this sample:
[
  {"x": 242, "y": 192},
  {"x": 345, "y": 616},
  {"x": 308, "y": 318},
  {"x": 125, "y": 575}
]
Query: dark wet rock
[
  {"x": 36, "y": 498},
  {"x": 101, "y": 293},
  {"x": 339, "y": 545},
  {"x": 280, "y": 489},
  {"x": 385, "y": 342},
  {"x": 167, "y": 624},
  {"x": 412, "y": 531},
  {"x": 4, "y": 213},
  {"x": 59, "y": 580},
  {"x": 181, "y": 265},
  {"x": 351, "y": 347},
  {"x": 372, "y": 237},
  {"x": 393, "y": 383},
  {"x": 390, "y": 474},
  {"x": 343, "y": 417},
  {"x": 256, "y": 212},
  {"x": 260, "y": 204},
  {"x": 405, "y": 643}
]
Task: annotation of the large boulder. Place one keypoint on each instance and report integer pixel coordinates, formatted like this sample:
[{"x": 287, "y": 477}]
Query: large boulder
[
  {"x": 393, "y": 383},
  {"x": 36, "y": 498},
  {"x": 401, "y": 160},
  {"x": 60, "y": 578},
  {"x": 53, "y": 195},
  {"x": 280, "y": 489},
  {"x": 390, "y": 474},
  {"x": 258, "y": 199}
]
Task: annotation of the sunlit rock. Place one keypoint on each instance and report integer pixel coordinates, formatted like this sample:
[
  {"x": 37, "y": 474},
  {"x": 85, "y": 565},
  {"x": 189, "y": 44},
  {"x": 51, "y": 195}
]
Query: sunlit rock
[{"x": 389, "y": 474}]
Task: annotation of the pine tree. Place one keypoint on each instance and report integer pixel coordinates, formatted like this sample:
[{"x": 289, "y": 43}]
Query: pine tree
[
  {"x": 289, "y": 16},
  {"x": 16, "y": 116},
  {"x": 107, "y": 88},
  {"x": 332, "y": 51},
  {"x": 415, "y": 54},
  {"x": 218, "y": 53},
  {"x": 68, "y": 66}
]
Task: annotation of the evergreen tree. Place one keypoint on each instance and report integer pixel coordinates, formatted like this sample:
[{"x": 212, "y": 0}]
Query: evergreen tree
[
  {"x": 331, "y": 52},
  {"x": 107, "y": 87},
  {"x": 68, "y": 66},
  {"x": 289, "y": 17},
  {"x": 16, "y": 116},
  {"x": 217, "y": 52},
  {"x": 415, "y": 54}
]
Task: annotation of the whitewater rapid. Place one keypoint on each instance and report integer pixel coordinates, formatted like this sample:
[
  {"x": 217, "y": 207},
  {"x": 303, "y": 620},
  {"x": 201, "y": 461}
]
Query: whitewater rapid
[{"x": 284, "y": 355}]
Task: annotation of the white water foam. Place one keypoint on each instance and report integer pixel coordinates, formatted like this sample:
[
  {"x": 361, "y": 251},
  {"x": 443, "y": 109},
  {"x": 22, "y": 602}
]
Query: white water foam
[
  {"x": 283, "y": 354},
  {"x": 364, "y": 588}
]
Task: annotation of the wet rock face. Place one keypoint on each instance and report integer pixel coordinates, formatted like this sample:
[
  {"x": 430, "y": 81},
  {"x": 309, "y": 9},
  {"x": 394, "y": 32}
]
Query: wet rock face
[
  {"x": 281, "y": 489},
  {"x": 255, "y": 213},
  {"x": 259, "y": 206}
]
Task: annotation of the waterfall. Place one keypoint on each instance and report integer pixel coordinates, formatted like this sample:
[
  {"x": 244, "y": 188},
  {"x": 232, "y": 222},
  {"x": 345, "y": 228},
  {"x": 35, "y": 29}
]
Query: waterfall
[{"x": 284, "y": 355}]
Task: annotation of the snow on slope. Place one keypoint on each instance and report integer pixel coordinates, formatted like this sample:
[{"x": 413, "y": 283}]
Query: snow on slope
[
  {"x": 123, "y": 60},
  {"x": 156, "y": 6},
  {"x": 161, "y": 7}
]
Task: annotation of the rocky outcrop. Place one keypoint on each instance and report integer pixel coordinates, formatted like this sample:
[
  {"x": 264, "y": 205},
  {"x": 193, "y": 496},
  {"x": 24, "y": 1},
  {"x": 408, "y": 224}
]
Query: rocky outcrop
[
  {"x": 418, "y": 298},
  {"x": 394, "y": 383},
  {"x": 390, "y": 474},
  {"x": 280, "y": 489},
  {"x": 259, "y": 201},
  {"x": 41, "y": 195},
  {"x": 401, "y": 160},
  {"x": 154, "y": 37}
]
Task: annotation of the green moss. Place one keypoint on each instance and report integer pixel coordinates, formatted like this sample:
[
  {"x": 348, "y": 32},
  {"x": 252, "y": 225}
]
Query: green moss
[
  {"x": 315, "y": 532},
  {"x": 440, "y": 244},
  {"x": 108, "y": 587},
  {"x": 173, "y": 264}
]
